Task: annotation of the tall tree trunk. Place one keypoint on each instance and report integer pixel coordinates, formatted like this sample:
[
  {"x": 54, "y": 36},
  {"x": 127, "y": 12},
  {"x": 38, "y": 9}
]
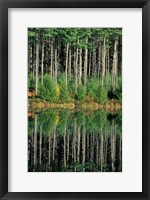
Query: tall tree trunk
[
  {"x": 90, "y": 58},
  {"x": 104, "y": 60},
  {"x": 30, "y": 59},
  {"x": 37, "y": 62},
  {"x": 99, "y": 60},
  {"x": 115, "y": 64},
  {"x": 80, "y": 66},
  {"x": 76, "y": 70},
  {"x": 94, "y": 62},
  {"x": 66, "y": 71},
  {"x": 42, "y": 63},
  {"x": 51, "y": 68},
  {"x": 70, "y": 62},
  {"x": 56, "y": 62},
  {"x": 85, "y": 62}
]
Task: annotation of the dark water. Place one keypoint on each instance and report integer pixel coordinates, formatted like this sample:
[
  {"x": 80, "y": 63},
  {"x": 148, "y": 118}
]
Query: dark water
[{"x": 80, "y": 141}]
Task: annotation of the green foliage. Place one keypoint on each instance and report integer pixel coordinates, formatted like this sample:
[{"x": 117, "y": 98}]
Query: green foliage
[
  {"x": 81, "y": 95},
  {"x": 92, "y": 87},
  {"x": 118, "y": 91},
  {"x": 101, "y": 95},
  {"x": 31, "y": 82},
  {"x": 81, "y": 38},
  {"x": 47, "y": 90},
  {"x": 64, "y": 93}
]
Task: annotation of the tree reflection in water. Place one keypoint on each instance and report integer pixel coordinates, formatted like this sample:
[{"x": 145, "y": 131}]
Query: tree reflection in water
[{"x": 79, "y": 141}]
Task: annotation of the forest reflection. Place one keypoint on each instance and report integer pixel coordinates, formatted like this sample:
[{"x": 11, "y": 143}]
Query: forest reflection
[{"x": 75, "y": 141}]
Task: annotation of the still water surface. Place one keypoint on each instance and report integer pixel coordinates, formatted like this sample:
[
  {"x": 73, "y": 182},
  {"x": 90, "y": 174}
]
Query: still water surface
[{"x": 75, "y": 141}]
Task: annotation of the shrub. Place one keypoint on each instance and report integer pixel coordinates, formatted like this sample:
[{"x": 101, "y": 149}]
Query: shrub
[
  {"x": 92, "y": 87},
  {"x": 101, "y": 95},
  {"x": 81, "y": 95},
  {"x": 64, "y": 94},
  {"x": 47, "y": 91},
  {"x": 31, "y": 82},
  {"x": 118, "y": 91}
]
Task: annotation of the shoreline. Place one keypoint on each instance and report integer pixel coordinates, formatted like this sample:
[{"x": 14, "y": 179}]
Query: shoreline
[{"x": 110, "y": 105}]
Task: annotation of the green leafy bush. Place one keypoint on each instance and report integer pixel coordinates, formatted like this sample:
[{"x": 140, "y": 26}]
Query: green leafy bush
[
  {"x": 64, "y": 93},
  {"x": 81, "y": 95},
  {"x": 31, "y": 82},
  {"x": 118, "y": 91},
  {"x": 101, "y": 95},
  {"x": 92, "y": 87},
  {"x": 47, "y": 90}
]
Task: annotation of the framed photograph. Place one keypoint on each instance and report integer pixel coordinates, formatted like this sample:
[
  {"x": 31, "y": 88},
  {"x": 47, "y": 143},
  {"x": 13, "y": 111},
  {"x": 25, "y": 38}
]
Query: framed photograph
[{"x": 74, "y": 99}]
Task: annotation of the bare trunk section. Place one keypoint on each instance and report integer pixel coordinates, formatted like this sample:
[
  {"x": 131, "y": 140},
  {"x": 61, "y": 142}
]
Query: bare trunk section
[
  {"x": 80, "y": 66},
  {"x": 85, "y": 62},
  {"x": 70, "y": 62},
  {"x": 37, "y": 63},
  {"x": 56, "y": 64},
  {"x": 115, "y": 64},
  {"x": 66, "y": 71},
  {"x": 51, "y": 67},
  {"x": 99, "y": 60},
  {"x": 76, "y": 70},
  {"x": 104, "y": 60},
  {"x": 42, "y": 63}
]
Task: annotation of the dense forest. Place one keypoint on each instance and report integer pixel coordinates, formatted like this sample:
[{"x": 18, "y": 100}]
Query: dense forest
[
  {"x": 75, "y": 99},
  {"x": 66, "y": 64},
  {"x": 68, "y": 141}
]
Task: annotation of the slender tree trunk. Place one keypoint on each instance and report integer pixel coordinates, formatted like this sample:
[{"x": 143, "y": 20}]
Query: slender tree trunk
[
  {"x": 42, "y": 64},
  {"x": 80, "y": 67},
  {"x": 104, "y": 61},
  {"x": 76, "y": 71},
  {"x": 56, "y": 63},
  {"x": 115, "y": 63},
  {"x": 66, "y": 71},
  {"x": 85, "y": 63},
  {"x": 30, "y": 59},
  {"x": 94, "y": 62},
  {"x": 37, "y": 62},
  {"x": 90, "y": 58},
  {"x": 70, "y": 62},
  {"x": 99, "y": 60},
  {"x": 51, "y": 68}
]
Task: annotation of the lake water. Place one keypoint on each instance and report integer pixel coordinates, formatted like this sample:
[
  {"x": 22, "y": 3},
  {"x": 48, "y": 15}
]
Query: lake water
[{"x": 75, "y": 141}]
